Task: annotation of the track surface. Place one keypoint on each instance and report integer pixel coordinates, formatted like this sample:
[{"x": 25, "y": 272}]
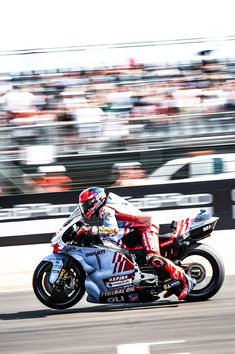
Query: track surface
[{"x": 27, "y": 327}]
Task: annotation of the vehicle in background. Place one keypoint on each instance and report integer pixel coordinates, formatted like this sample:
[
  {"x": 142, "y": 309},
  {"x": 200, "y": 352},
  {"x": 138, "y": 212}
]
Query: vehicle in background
[
  {"x": 195, "y": 168},
  {"x": 128, "y": 174}
]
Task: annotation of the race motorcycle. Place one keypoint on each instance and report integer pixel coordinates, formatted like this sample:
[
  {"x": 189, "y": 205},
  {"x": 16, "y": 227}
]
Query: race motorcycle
[{"x": 109, "y": 273}]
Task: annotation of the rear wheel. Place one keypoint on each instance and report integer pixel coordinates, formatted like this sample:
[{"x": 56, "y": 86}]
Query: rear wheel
[
  {"x": 205, "y": 265},
  {"x": 69, "y": 290}
]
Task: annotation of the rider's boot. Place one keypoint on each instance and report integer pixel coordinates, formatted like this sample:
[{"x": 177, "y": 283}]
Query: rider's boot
[
  {"x": 151, "y": 246},
  {"x": 178, "y": 273},
  {"x": 175, "y": 273}
]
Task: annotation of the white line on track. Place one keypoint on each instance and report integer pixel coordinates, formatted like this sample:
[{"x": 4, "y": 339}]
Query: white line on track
[
  {"x": 137, "y": 348},
  {"x": 143, "y": 348}
]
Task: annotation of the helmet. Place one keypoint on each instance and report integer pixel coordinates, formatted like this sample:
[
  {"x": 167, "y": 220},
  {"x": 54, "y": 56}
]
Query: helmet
[{"x": 90, "y": 200}]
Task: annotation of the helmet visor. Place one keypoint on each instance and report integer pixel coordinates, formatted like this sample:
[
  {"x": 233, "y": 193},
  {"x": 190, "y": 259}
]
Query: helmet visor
[{"x": 87, "y": 208}]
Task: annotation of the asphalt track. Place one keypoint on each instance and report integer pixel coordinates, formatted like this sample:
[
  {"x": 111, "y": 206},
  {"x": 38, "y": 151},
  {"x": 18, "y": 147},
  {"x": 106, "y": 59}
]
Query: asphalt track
[{"x": 27, "y": 327}]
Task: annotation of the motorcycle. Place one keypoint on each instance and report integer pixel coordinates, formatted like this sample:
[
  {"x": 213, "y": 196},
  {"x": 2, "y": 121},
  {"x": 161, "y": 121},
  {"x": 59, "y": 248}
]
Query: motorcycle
[{"x": 110, "y": 273}]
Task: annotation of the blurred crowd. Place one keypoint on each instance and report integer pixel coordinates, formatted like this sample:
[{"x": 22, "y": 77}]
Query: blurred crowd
[{"x": 46, "y": 114}]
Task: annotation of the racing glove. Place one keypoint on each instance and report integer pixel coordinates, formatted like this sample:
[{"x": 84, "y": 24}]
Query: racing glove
[{"x": 88, "y": 230}]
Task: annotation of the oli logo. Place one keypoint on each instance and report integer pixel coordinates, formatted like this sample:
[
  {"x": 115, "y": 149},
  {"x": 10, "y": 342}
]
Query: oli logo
[{"x": 116, "y": 299}]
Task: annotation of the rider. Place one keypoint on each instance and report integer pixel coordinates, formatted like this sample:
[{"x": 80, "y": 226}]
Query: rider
[{"x": 117, "y": 213}]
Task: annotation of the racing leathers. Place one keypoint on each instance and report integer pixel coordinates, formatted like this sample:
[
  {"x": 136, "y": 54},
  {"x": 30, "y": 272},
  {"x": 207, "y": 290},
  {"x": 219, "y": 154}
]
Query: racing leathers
[{"x": 119, "y": 218}]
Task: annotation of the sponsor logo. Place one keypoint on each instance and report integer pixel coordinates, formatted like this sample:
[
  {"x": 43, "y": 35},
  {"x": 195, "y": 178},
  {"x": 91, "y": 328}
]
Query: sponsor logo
[
  {"x": 150, "y": 243},
  {"x": 154, "y": 201},
  {"x": 133, "y": 297},
  {"x": 120, "y": 277},
  {"x": 95, "y": 253},
  {"x": 172, "y": 284},
  {"x": 117, "y": 284},
  {"x": 166, "y": 243},
  {"x": 119, "y": 291},
  {"x": 148, "y": 201},
  {"x": 27, "y": 211},
  {"x": 106, "y": 214},
  {"x": 116, "y": 299},
  {"x": 71, "y": 249},
  {"x": 208, "y": 227}
]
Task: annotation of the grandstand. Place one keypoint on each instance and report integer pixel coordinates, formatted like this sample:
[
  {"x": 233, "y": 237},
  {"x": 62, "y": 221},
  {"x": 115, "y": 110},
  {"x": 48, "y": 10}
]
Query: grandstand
[{"x": 113, "y": 106}]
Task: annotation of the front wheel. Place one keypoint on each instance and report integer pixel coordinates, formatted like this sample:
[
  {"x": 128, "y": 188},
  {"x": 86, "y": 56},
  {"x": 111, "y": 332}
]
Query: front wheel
[
  {"x": 69, "y": 290},
  {"x": 204, "y": 264}
]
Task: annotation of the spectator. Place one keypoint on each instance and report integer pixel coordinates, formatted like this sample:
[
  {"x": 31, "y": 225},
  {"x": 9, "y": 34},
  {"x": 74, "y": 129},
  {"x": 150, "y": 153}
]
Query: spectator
[
  {"x": 88, "y": 119},
  {"x": 21, "y": 113},
  {"x": 120, "y": 100},
  {"x": 20, "y": 103}
]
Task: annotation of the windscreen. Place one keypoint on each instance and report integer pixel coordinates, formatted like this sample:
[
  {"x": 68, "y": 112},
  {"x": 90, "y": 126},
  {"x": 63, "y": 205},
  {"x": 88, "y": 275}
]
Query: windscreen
[{"x": 76, "y": 214}]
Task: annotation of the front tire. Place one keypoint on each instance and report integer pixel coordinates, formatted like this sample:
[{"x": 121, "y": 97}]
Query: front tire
[
  {"x": 210, "y": 276},
  {"x": 64, "y": 295}
]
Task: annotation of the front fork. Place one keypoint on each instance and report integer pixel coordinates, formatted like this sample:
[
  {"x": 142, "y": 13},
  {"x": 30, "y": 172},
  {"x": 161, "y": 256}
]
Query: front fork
[
  {"x": 60, "y": 265},
  {"x": 63, "y": 272}
]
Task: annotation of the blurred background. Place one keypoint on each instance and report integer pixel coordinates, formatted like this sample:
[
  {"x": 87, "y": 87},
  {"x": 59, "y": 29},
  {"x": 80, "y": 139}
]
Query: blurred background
[
  {"x": 107, "y": 100},
  {"x": 116, "y": 94}
]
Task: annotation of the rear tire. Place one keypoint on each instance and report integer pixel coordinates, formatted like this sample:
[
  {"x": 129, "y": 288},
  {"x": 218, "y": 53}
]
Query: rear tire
[
  {"x": 67, "y": 294},
  {"x": 217, "y": 272}
]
